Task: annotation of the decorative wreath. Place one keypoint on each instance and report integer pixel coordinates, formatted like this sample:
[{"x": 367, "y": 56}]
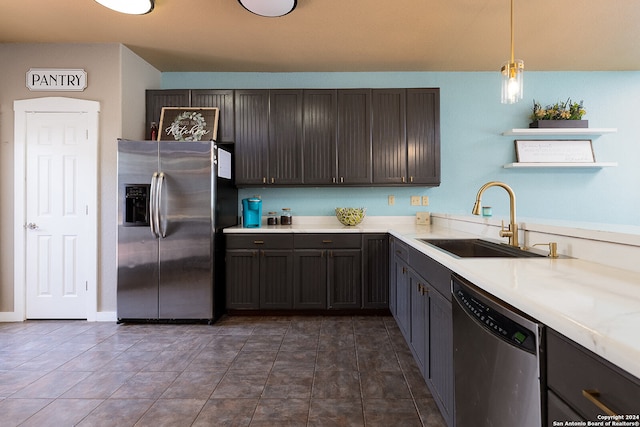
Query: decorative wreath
[{"x": 196, "y": 124}]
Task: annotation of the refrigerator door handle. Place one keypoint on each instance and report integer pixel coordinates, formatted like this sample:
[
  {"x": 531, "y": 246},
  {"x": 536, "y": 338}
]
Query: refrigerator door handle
[
  {"x": 161, "y": 231},
  {"x": 153, "y": 212}
]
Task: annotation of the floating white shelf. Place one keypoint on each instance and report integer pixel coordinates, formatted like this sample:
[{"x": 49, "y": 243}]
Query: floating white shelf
[
  {"x": 559, "y": 131},
  {"x": 598, "y": 165}
]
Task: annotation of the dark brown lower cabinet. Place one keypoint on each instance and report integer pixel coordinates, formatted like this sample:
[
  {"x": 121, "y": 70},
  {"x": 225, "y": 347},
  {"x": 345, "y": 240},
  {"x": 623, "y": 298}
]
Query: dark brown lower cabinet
[
  {"x": 327, "y": 265},
  {"x": 276, "y": 279},
  {"x": 375, "y": 270},
  {"x": 344, "y": 284},
  {"x": 582, "y": 384},
  {"x": 310, "y": 278},
  {"x": 307, "y": 271},
  {"x": 243, "y": 279},
  {"x": 422, "y": 308},
  {"x": 259, "y": 271}
]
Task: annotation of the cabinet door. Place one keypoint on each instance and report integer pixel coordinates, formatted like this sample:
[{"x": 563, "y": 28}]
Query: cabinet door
[
  {"x": 243, "y": 279},
  {"x": 419, "y": 331},
  {"x": 344, "y": 281},
  {"x": 252, "y": 136},
  {"x": 319, "y": 127},
  {"x": 285, "y": 137},
  {"x": 310, "y": 279},
  {"x": 375, "y": 282},
  {"x": 392, "y": 275},
  {"x": 354, "y": 136},
  {"x": 276, "y": 279},
  {"x": 403, "y": 299},
  {"x": 156, "y": 99},
  {"x": 222, "y": 99},
  {"x": 389, "y": 141},
  {"x": 440, "y": 350},
  {"x": 423, "y": 136}
]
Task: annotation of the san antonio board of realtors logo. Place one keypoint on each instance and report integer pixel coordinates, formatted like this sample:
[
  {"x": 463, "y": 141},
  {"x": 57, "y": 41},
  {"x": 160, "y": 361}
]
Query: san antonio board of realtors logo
[{"x": 188, "y": 126}]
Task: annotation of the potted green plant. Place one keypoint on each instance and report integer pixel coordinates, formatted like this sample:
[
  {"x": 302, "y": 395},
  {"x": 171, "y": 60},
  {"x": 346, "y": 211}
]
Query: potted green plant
[{"x": 559, "y": 115}]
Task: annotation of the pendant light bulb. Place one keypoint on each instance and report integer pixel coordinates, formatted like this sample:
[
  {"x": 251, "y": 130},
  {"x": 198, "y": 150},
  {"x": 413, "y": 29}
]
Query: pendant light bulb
[
  {"x": 512, "y": 81},
  {"x": 512, "y": 75}
]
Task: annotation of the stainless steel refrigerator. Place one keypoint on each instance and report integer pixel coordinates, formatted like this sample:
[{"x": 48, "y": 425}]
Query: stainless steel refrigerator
[{"x": 174, "y": 199}]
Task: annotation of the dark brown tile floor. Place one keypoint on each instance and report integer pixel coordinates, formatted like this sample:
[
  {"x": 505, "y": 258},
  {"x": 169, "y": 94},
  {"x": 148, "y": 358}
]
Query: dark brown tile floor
[{"x": 241, "y": 371}]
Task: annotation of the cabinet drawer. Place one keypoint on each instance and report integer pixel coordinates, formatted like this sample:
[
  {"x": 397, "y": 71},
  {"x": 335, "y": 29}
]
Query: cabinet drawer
[
  {"x": 329, "y": 241},
  {"x": 437, "y": 275},
  {"x": 260, "y": 241},
  {"x": 572, "y": 369},
  {"x": 400, "y": 250}
]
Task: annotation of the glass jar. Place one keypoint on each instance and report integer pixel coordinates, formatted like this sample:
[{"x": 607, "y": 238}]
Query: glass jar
[
  {"x": 286, "y": 218},
  {"x": 272, "y": 218}
]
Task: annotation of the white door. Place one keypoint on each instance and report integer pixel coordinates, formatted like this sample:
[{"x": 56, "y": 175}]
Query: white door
[{"x": 59, "y": 219}]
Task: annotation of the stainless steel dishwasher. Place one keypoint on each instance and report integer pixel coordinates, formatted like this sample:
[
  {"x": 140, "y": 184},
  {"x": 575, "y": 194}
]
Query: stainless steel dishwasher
[{"x": 496, "y": 361}]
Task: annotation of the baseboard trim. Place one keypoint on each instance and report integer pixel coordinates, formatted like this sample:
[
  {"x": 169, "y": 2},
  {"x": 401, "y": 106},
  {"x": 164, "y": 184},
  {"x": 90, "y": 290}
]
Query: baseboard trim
[
  {"x": 106, "y": 316},
  {"x": 10, "y": 316}
]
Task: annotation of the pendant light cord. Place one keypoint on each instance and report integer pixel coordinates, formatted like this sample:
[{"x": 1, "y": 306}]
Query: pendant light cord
[{"x": 512, "y": 56}]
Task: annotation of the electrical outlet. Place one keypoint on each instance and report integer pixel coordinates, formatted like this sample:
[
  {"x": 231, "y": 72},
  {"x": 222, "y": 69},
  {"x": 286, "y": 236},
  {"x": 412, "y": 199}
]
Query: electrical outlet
[
  {"x": 423, "y": 218},
  {"x": 392, "y": 200},
  {"x": 415, "y": 200},
  {"x": 425, "y": 200}
]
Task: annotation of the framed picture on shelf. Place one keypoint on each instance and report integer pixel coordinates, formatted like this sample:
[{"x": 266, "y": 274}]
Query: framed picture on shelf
[
  {"x": 188, "y": 124},
  {"x": 554, "y": 151}
]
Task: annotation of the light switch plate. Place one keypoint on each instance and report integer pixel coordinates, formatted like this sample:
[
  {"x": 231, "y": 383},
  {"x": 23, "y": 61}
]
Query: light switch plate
[
  {"x": 425, "y": 200},
  {"x": 415, "y": 200},
  {"x": 423, "y": 218}
]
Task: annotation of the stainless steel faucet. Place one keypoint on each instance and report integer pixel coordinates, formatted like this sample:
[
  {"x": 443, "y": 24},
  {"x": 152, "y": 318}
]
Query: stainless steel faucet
[{"x": 512, "y": 231}]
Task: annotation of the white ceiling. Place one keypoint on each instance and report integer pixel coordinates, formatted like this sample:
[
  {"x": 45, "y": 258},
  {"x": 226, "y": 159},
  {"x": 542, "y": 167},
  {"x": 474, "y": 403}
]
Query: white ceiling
[{"x": 346, "y": 35}]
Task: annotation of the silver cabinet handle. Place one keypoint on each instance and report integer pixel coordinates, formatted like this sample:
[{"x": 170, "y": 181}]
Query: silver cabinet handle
[{"x": 31, "y": 226}]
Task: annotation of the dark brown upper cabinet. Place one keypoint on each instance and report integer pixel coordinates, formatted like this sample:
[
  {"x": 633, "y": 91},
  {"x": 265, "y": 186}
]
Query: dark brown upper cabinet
[
  {"x": 319, "y": 136},
  {"x": 268, "y": 137},
  {"x": 323, "y": 137},
  {"x": 156, "y": 99},
  {"x": 406, "y": 136},
  {"x": 354, "y": 136},
  {"x": 222, "y": 99},
  {"x": 252, "y": 137},
  {"x": 423, "y": 136},
  {"x": 389, "y": 139},
  {"x": 285, "y": 137}
]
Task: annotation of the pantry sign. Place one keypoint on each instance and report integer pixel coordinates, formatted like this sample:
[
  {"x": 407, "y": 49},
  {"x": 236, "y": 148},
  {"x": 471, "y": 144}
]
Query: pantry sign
[{"x": 56, "y": 79}]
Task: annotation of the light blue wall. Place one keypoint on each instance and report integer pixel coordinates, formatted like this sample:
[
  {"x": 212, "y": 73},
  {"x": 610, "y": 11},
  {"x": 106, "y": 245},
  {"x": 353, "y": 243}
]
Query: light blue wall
[{"x": 473, "y": 151}]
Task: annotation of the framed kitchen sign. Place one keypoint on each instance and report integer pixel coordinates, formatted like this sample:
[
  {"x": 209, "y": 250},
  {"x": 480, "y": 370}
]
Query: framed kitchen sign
[
  {"x": 554, "y": 151},
  {"x": 188, "y": 124}
]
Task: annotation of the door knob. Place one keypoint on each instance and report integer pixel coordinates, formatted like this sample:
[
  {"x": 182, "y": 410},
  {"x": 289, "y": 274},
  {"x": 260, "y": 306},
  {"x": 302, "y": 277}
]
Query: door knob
[{"x": 31, "y": 226}]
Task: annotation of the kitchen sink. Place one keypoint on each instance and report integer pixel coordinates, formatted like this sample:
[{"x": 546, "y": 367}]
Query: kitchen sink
[{"x": 479, "y": 248}]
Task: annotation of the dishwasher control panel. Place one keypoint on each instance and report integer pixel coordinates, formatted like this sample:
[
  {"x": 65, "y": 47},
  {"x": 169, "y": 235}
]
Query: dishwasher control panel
[{"x": 493, "y": 321}]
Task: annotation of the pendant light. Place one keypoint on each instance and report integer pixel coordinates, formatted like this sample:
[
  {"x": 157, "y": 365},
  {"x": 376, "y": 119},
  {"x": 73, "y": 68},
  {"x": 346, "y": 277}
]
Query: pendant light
[
  {"x": 131, "y": 7},
  {"x": 269, "y": 8},
  {"x": 512, "y": 75}
]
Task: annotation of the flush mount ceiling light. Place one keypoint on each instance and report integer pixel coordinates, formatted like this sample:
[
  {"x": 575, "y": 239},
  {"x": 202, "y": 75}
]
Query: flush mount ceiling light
[
  {"x": 270, "y": 8},
  {"x": 512, "y": 75},
  {"x": 131, "y": 7}
]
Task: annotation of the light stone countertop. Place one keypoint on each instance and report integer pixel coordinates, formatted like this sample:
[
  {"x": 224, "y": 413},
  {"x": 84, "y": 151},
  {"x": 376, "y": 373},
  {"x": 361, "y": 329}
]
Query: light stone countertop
[{"x": 593, "y": 304}]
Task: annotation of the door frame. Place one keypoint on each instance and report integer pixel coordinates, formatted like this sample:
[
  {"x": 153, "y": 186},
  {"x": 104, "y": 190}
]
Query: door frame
[{"x": 51, "y": 105}]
